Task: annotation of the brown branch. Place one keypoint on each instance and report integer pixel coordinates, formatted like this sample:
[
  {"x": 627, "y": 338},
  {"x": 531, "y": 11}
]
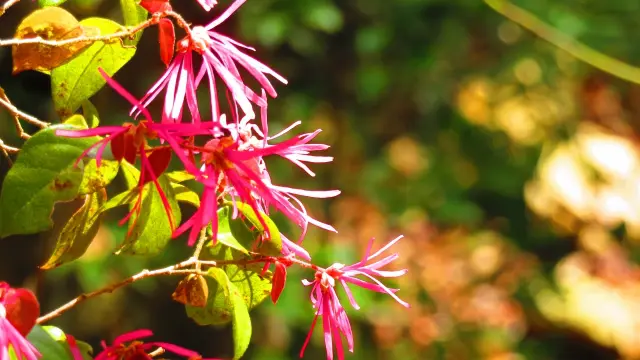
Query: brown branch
[
  {"x": 127, "y": 32},
  {"x": 6, "y": 150},
  {"x": 171, "y": 270},
  {"x": 177, "y": 269},
  {"x": 7, "y": 5},
  {"x": 17, "y": 115}
]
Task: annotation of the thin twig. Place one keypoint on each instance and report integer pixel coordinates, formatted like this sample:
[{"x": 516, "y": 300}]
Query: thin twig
[
  {"x": 171, "y": 270},
  {"x": 565, "y": 42},
  {"x": 6, "y": 150},
  {"x": 177, "y": 269},
  {"x": 17, "y": 114},
  {"x": 157, "y": 352},
  {"x": 7, "y": 5},
  {"x": 128, "y": 32},
  {"x": 199, "y": 246}
]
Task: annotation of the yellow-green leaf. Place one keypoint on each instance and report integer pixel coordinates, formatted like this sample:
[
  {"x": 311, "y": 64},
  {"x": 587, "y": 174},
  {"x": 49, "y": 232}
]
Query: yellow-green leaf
[{"x": 79, "y": 79}]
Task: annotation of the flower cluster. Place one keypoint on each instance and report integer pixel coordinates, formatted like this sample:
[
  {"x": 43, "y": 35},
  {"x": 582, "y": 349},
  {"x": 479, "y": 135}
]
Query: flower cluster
[{"x": 225, "y": 151}]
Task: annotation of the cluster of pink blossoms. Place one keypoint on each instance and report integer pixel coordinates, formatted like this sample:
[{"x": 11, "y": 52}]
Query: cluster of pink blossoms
[{"x": 225, "y": 153}]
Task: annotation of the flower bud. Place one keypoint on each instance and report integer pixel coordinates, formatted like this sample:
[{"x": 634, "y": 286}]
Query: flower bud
[{"x": 22, "y": 308}]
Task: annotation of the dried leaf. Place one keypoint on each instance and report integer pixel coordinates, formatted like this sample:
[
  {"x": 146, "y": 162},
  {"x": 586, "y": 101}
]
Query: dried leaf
[
  {"x": 52, "y": 23},
  {"x": 192, "y": 290}
]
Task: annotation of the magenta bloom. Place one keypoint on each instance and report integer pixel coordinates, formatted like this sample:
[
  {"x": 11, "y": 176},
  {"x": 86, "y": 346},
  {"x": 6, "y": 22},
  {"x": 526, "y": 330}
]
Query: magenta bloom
[
  {"x": 136, "y": 349},
  {"x": 11, "y": 338},
  {"x": 18, "y": 312},
  {"x": 220, "y": 59},
  {"x": 335, "y": 322},
  {"x": 129, "y": 142},
  {"x": 232, "y": 164}
]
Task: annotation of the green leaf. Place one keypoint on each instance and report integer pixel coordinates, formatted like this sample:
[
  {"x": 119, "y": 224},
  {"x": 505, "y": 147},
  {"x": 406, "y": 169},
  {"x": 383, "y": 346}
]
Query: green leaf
[
  {"x": 79, "y": 79},
  {"x": 251, "y": 238},
  {"x": 225, "y": 236},
  {"x": 96, "y": 178},
  {"x": 184, "y": 194},
  {"x": 123, "y": 198},
  {"x": 133, "y": 15},
  {"x": 248, "y": 279},
  {"x": 78, "y": 232},
  {"x": 76, "y": 120},
  {"x": 43, "y": 174},
  {"x": 45, "y": 3},
  {"x": 51, "y": 342},
  {"x": 90, "y": 114},
  {"x": 149, "y": 227},
  {"x": 180, "y": 176},
  {"x": 226, "y": 304},
  {"x": 130, "y": 173}
]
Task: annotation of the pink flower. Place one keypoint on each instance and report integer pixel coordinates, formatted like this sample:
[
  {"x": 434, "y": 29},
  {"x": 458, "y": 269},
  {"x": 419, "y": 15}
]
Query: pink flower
[
  {"x": 232, "y": 164},
  {"x": 220, "y": 58},
  {"x": 298, "y": 151},
  {"x": 19, "y": 310},
  {"x": 139, "y": 350},
  {"x": 73, "y": 346},
  {"x": 327, "y": 304},
  {"x": 12, "y": 338},
  {"x": 128, "y": 142},
  {"x": 335, "y": 322},
  {"x": 207, "y": 4}
]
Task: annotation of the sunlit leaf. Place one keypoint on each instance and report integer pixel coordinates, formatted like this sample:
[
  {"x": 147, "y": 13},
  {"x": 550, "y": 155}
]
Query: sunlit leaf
[
  {"x": 130, "y": 173},
  {"x": 149, "y": 228},
  {"x": 51, "y": 342},
  {"x": 225, "y": 236},
  {"x": 184, "y": 194},
  {"x": 250, "y": 232},
  {"x": 51, "y": 23},
  {"x": 133, "y": 15},
  {"x": 42, "y": 175},
  {"x": 77, "y": 121},
  {"x": 45, "y": 3},
  {"x": 227, "y": 305},
  {"x": 78, "y": 232},
  {"x": 96, "y": 178},
  {"x": 79, "y": 79},
  {"x": 90, "y": 114},
  {"x": 179, "y": 176},
  {"x": 253, "y": 285}
]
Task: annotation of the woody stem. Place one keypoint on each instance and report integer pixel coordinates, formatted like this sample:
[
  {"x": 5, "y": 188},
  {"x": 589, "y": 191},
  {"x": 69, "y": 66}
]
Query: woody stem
[{"x": 199, "y": 246}]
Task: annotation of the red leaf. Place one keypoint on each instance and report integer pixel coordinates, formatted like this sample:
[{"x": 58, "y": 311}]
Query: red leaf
[
  {"x": 154, "y": 6},
  {"x": 22, "y": 308},
  {"x": 159, "y": 160},
  {"x": 130, "y": 150},
  {"x": 117, "y": 146},
  {"x": 167, "y": 40},
  {"x": 279, "y": 280}
]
